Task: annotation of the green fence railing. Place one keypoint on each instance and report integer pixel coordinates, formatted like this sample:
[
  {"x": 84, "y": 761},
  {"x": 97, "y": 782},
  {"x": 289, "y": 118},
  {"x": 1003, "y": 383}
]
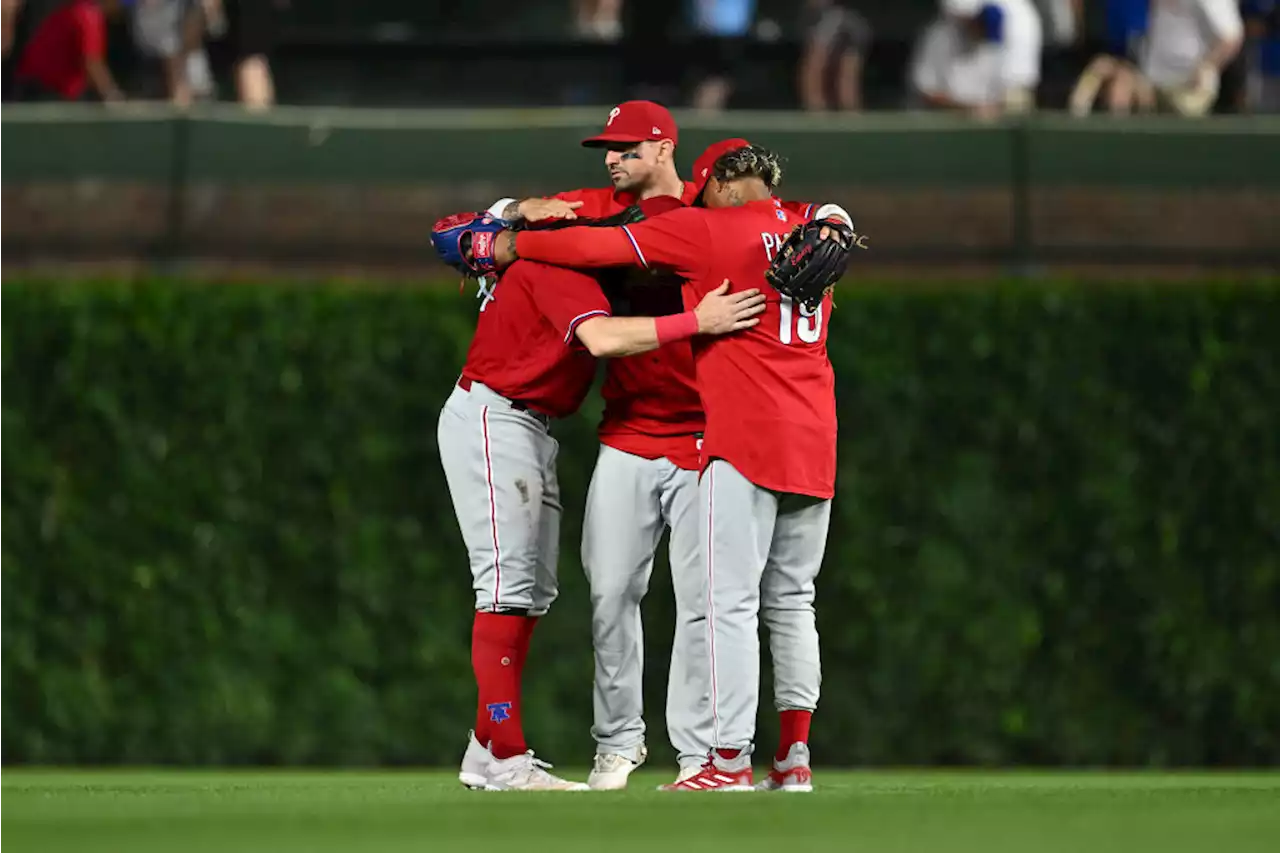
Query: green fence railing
[{"x": 362, "y": 186}]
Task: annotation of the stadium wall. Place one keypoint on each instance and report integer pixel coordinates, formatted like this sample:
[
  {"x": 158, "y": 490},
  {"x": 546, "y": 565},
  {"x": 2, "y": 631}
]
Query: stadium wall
[{"x": 312, "y": 187}]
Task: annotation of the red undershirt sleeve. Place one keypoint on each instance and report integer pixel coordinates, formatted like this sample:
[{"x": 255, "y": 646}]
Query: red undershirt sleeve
[{"x": 578, "y": 247}]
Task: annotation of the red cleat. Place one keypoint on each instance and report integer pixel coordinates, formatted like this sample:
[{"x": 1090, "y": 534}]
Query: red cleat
[
  {"x": 719, "y": 774},
  {"x": 792, "y": 774}
]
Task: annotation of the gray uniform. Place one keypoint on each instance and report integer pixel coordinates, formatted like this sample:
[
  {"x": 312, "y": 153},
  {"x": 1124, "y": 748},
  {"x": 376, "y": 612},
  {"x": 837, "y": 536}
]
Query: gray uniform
[
  {"x": 500, "y": 463},
  {"x": 761, "y": 551},
  {"x": 630, "y": 501}
]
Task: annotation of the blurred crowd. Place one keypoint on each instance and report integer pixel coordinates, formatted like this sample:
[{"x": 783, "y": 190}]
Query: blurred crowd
[
  {"x": 1161, "y": 55},
  {"x": 1170, "y": 55},
  {"x": 982, "y": 57},
  {"x": 64, "y": 54}
]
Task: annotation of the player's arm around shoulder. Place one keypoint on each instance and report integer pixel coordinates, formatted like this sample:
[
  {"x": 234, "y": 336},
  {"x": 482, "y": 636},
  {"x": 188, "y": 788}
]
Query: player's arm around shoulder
[
  {"x": 719, "y": 313},
  {"x": 828, "y": 212},
  {"x": 679, "y": 241},
  {"x": 593, "y": 202},
  {"x": 810, "y": 211},
  {"x": 480, "y": 243}
]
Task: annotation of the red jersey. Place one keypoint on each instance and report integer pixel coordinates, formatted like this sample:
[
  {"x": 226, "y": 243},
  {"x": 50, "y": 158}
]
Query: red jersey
[
  {"x": 651, "y": 404},
  {"x": 652, "y": 408},
  {"x": 62, "y": 43},
  {"x": 598, "y": 202},
  {"x": 525, "y": 347},
  {"x": 769, "y": 391}
]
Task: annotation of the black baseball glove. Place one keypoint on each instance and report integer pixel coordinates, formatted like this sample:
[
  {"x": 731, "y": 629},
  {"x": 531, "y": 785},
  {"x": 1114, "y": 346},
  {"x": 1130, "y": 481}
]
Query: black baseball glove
[{"x": 809, "y": 264}]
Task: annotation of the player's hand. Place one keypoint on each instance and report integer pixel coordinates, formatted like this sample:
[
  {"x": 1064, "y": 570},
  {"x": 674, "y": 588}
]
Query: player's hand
[
  {"x": 721, "y": 312},
  {"x": 836, "y": 232},
  {"x": 538, "y": 209}
]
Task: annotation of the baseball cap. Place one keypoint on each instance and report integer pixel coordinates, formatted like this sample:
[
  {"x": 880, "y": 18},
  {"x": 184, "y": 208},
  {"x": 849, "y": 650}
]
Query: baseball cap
[
  {"x": 706, "y": 161},
  {"x": 635, "y": 121}
]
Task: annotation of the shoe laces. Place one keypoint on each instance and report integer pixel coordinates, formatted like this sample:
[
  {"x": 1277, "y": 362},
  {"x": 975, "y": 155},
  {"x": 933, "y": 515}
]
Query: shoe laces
[
  {"x": 708, "y": 769},
  {"x": 537, "y": 769},
  {"x": 610, "y": 762}
]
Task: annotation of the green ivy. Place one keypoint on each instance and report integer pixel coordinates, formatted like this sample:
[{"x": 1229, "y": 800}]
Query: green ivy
[{"x": 227, "y": 538}]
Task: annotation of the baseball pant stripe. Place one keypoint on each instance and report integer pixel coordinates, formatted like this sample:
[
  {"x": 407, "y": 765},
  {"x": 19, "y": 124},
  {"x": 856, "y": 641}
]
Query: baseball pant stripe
[
  {"x": 711, "y": 608},
  {"x": 493, "y": 506}
]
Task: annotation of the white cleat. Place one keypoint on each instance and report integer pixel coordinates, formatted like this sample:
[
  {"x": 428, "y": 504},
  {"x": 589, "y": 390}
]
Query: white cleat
[
  {"x": 687, "y": 771},
  {"x": 526, "y": 773},
  {"x": 792, "y": 774},
  {"x": 475, "y": 764},
  {"x": 611, "y": 770}
]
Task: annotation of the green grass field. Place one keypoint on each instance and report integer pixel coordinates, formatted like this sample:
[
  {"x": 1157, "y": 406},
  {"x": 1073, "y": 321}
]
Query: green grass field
[{"x": 188, "y": 812}]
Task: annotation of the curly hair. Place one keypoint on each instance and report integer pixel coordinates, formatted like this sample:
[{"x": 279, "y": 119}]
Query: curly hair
[{"x": 753, "y": 161}]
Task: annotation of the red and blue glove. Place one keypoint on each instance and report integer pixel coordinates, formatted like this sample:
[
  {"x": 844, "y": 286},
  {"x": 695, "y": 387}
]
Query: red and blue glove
[{"x": 466, "y": 241}]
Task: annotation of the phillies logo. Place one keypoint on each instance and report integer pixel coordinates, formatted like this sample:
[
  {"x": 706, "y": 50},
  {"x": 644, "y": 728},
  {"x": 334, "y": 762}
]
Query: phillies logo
[
  {"x": 613, "y": 113},
  {"x": 499, "y": 712}
]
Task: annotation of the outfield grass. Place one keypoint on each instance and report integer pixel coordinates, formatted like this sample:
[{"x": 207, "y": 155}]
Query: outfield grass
[{"x": 189, "y": 812}]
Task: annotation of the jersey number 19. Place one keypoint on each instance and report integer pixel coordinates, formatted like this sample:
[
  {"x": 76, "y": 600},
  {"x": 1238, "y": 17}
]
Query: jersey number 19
[{"x": 807, "y": 322}]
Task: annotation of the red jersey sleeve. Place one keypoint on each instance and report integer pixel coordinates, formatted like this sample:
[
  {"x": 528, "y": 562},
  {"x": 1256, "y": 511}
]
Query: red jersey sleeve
[
  {"x": 805, "y": 209},
  {"x": 676, "y": 241},
  {"x": 597, "y": 202},
  {"x": 566, "y": 297},
  {"x": 577, "y": 247},
  {"x": 92, "y": 28},
  {"x": 679, "y": 240}
]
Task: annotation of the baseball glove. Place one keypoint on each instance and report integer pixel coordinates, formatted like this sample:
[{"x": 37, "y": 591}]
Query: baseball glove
[
  {"x": 808, "y": 264},
  {"x": 465, "y": 241}
]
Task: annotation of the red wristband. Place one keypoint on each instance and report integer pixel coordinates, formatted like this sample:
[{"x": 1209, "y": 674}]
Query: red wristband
[{"x": 675, "y": 327}]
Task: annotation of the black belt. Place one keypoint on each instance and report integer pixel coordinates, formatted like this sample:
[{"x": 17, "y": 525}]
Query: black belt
[{"x": 464, "y": 382}]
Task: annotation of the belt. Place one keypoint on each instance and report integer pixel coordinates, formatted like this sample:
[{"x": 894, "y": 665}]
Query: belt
[{"x": 464, "y": 382}]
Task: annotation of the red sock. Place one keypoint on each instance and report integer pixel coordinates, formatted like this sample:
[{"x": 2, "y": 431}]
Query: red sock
[
  {"x": 522, "y": 655},
  {"x": 495, "y": 657},
  {"x": 728, "y": 754},
  {"x": 795, "y": 729},
  {"x": 526, "y": 637}
]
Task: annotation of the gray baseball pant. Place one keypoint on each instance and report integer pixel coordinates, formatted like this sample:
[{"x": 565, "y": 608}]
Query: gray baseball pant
[
  {"x": 762, "y": 551},
  {"x": 629, "y": 503},
  {"x": 500, "y": 464}
]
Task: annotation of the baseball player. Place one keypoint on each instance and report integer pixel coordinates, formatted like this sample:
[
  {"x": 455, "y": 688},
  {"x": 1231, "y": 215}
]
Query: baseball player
[
  {"x": 768, "y": 457},
  {"x": 531, "y": 360},
  {"x": 645, "y": 477}
]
